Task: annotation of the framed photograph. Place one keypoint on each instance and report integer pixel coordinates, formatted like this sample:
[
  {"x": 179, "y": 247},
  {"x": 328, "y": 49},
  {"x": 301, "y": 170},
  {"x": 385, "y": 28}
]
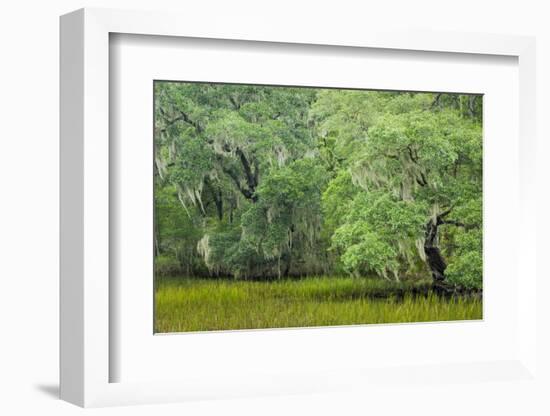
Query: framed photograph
[
  {"x": 275, "y": 212},
  {"x": 281, "y": 206}
]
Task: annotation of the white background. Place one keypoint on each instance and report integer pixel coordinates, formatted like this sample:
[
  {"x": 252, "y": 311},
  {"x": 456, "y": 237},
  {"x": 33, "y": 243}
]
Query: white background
[
  {"x": 29, "y": 209},
  {"x": 137, "y": 61}
]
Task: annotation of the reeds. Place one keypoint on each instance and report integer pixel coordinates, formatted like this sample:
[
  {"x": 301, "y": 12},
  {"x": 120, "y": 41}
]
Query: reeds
[{"x": 203, "y": 305}]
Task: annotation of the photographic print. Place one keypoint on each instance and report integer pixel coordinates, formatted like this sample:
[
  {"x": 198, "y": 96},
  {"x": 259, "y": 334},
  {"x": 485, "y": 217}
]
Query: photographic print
[{"x": 280, "y": 207}]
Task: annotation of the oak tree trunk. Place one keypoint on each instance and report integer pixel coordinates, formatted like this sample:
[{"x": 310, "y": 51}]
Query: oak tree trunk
[{"x": 434, "y": 258}]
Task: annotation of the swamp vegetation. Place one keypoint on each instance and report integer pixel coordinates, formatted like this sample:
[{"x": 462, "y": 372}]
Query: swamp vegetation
[{"x": 281, "y": 207}]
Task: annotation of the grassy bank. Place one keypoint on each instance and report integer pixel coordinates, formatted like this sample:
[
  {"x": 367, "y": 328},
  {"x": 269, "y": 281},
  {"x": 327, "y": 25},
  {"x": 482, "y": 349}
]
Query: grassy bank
[{"x": 202, "y": 305}]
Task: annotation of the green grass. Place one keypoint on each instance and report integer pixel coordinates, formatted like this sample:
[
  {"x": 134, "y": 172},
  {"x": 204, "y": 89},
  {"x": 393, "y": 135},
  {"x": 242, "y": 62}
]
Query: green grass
[{"x": 184, "y": 304}]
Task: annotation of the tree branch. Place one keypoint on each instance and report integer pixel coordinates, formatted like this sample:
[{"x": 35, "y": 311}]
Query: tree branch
[
  {"x": 452, "y": 222},
  {"x": 247, "y": 193},
  {"x": 182, "y": 117},
  {"x": 413, "y": 158},
  {"x": 234, "y": 102},
  {"x": 250, "y": 177},
  {"x": 445, "y": 213},
  {"x": 435, "y": 102},
  {"x": 458, "y": 224}
]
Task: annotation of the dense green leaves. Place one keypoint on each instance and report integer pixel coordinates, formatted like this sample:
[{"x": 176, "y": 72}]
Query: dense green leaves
[
  {"x": 260, "y": 182},
  {"x": 379, "y": 233},
  {"x": 415, "y": 161}
]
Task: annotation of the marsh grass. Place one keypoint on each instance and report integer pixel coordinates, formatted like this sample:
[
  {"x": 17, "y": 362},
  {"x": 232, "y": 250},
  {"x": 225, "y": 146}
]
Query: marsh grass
[{"x": 183, "y": 304}]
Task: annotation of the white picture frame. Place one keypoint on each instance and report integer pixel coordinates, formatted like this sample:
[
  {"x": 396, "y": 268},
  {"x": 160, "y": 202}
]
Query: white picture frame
[{"x": 86, "y": 356}]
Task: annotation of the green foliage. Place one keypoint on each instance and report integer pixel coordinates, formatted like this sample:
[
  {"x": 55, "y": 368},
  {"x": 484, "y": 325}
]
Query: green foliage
[
  {"x": 204, "y": 305},
  {"x": 266, "y": 182},
  {"x": 416, "y": 160},
  {"x": 364, "y": 251},
  {"x": 466, "y": 267},
  {"x": 176, "y": 235},
  {"x": 376, "y": 231},
  {"x": 167, "y": 266},
  {"x": 336, "y": 199}
]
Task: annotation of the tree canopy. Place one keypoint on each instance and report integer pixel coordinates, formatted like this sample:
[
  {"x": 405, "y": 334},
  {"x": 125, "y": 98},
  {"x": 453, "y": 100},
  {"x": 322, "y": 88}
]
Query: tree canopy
[{"x": 266, "y": 182}]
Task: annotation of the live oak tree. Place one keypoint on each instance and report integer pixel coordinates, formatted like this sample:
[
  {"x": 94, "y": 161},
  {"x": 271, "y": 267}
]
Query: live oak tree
[
  {"x": 407, "y": 185},
  {"x": 241, "y": 157},
  {"x": 263, "y": 182}
]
